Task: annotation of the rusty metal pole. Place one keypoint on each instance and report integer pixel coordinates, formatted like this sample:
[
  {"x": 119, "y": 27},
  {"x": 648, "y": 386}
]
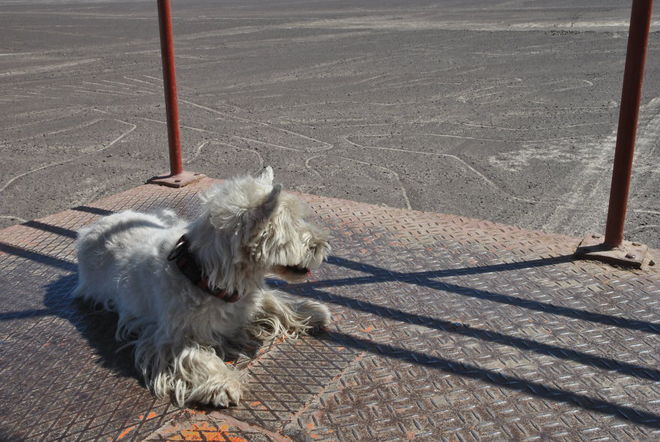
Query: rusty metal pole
[
  {"x": 178, "y": 177},
  {"x": 638, "y": 38},
  {"x": 169, "y": 84},
  {"x": 613, "y": 248}
]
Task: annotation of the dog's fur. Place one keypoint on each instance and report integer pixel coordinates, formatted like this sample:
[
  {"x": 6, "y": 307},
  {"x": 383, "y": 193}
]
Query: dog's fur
[{"x": 248, "y": 228}]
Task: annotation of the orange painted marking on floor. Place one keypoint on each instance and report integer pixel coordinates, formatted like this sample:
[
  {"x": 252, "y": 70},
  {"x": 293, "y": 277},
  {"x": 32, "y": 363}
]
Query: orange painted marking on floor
[
  {"x": 151, "y": 415},
  {"x": 203, "y": 426},
  {"x": 191, "y": 435},
  {"x": 258, "y": 405},
  {"x": 125, "y": 432},
  {"x": 214, "y": 436}
]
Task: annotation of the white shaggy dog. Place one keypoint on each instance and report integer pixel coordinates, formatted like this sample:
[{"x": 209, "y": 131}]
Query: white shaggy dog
[{"x": 189, "y": 294}]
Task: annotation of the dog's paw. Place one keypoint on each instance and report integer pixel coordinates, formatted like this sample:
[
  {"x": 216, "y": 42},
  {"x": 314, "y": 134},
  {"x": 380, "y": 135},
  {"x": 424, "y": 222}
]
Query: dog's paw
[
  {"x": 225, "y": 392},
  {"x": 318, "y": 314}
]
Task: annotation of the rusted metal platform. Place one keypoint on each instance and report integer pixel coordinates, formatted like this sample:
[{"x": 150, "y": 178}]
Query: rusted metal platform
[{"x": 445, "y": 328}]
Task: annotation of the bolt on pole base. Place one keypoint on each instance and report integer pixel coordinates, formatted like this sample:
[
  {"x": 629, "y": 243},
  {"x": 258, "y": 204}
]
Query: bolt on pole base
[
  {"x": 178, "y": 180},
  {"x": 627, "y": 254}
]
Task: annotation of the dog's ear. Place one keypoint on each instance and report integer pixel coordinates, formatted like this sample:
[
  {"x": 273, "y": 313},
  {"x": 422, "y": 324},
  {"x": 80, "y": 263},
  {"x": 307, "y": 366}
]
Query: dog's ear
[
  {"x": 266, "y": 176},
  {"x": 258, "y": 216}
]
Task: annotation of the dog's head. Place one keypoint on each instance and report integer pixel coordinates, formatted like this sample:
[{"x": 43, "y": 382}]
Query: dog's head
[{"x": 266, "y": 227}]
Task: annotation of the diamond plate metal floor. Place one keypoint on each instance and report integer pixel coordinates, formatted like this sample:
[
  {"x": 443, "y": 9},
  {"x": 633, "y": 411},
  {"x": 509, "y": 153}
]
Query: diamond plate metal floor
[{"x": 445, "y": 328}]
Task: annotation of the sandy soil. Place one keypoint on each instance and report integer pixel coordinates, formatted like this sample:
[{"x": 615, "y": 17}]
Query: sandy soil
[{"x": 501, "y": 110}]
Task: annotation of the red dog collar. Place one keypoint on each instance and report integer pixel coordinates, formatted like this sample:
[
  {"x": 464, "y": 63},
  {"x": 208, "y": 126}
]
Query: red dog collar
[{"x": 187, "y": 264}]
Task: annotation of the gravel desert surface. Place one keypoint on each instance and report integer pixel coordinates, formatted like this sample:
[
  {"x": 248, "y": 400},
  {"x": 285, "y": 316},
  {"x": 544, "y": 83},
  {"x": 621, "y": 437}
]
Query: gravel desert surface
[{"x": 500, "y": 110}]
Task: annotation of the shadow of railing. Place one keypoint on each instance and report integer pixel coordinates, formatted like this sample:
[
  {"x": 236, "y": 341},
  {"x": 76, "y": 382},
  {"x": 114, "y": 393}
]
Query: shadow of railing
[
  {"x": 51, "y": 228},
  {"x": 424, "y": 279},
  {"x": 38, "y": 257},
  {"x": 93, "y": 210},
  {"x": 530, "y": 345},
  {"x": 378, "y": 275},
  {"x": 98, "y": 326},
  {"x": 491, "y": 377}
]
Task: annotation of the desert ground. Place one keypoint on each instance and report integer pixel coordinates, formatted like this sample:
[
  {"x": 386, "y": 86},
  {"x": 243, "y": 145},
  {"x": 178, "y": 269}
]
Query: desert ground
[{"x": 499, "y": 110}]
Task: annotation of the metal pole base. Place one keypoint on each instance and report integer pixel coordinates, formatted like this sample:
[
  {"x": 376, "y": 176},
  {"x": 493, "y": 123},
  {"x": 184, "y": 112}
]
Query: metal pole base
[
  {"x": 628, "y": 254},
  {"x": 179, "y": 180}
]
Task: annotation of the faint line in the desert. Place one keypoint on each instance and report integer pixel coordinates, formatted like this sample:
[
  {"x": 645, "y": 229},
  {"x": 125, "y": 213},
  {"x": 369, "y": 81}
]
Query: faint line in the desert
[
  {"x": 198, "y": 150},
  {"x": 17, "y": 218},
  {"x": 261, "y": 123},
  {"x": 59, "y": 163},
  {"x": 652, "y": 212},
  {"x": 310, "y": 167},
  {"x": 262, "y": 163},
  {"x": 252, "y": 140},
  {"x": 454, "y": 157},
  {"x": 183, "y": 126}
]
